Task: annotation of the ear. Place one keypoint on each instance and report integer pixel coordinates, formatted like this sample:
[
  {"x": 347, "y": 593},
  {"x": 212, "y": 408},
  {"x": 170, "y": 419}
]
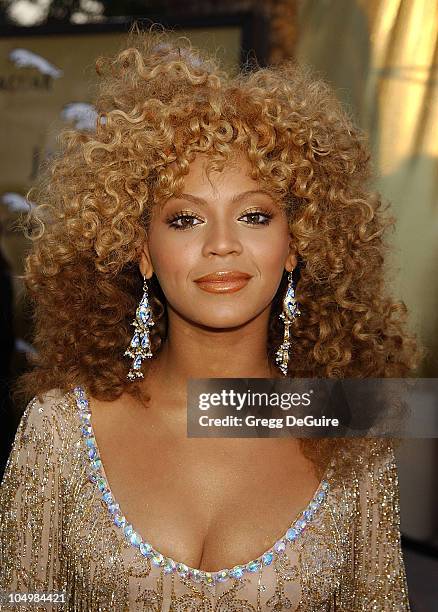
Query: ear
[
  {"x": 145, "y": 263},
  {"x": 291, "y": 259}
]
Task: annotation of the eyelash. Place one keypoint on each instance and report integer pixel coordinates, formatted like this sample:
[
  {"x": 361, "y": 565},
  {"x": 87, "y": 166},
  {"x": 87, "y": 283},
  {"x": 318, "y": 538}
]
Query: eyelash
[{"x": 185, "y": 214}]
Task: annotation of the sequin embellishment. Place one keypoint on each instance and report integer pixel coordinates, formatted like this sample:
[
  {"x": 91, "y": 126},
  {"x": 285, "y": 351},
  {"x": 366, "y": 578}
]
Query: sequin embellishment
[{"x": 169, "y": 565}]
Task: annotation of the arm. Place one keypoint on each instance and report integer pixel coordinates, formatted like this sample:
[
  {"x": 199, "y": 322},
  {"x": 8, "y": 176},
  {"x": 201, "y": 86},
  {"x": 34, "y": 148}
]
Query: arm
[
  {"x": 379, "y": 573},
  {"x": 30, "y": 506}
]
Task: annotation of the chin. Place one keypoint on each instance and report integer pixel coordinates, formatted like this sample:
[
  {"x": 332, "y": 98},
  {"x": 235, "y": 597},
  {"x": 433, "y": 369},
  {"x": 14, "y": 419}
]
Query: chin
[{"x": 224, "y": 320}]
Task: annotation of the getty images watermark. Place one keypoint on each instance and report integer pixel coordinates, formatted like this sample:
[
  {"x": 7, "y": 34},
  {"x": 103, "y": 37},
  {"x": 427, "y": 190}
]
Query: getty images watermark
[
  {"x": 312, "y": 407},
  {"x": 235, "y": 400}
]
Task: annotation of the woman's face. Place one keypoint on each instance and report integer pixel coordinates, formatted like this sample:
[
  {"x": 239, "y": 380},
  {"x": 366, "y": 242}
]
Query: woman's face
[{"x": 227, "y": 225}]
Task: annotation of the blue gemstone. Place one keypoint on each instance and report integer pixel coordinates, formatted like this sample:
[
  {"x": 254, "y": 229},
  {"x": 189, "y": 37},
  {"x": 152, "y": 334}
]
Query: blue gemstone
[
  {"x": 290, "y": 302},
  {"x": 325, "y": 485},
  {"x": 307, "y": 515},
  {"x": 145, "y": 342},
  {"x": 135, "y": 539},
  {"x": 237, "y": 571},
  {"x": 90, "y": 442},
  {"x": 144, "y": 313},
  {"x": 299, "y": 525},
  {"x": 314, "y": 505},
  {"x": 107, "y": 497},
  {"x": 158, "y": 559},
  {"x": 146, "y": 549},
  {"x": 114, "y": 508},
  {"x": 221, "y": 576},
  {"x": 267, "y": 558},
  {"x": 182, "y": 569},
  {"x": 170, "y": 566},
  {"x": 92, "y": 453},
  {"x": 137, "y": 363},
  {"x": 119, "y": 520},
  {"x": 196, "y": 575},
  {"x": 128, "y": 530},
  {"x": 321, "y": 496},
  {"x": 86, "y": 430},
  {"x": 86, "y": 418},
  {"x": 96, "y": 464},
  {"x": 101, "y": 483},
  {"x": 280, "y": 547},
  {"x": 253, "y": 566},
  {"x": 291, "y": 534}
]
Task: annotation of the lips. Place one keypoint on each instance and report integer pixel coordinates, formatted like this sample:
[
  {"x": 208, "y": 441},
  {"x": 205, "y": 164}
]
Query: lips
[
  {"x": 219, "y": 277},
  {"x": 226, "y": 281}
]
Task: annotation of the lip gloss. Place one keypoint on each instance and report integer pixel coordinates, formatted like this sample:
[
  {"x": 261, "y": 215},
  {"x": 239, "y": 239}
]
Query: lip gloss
[{"x": 223, "y": 286}]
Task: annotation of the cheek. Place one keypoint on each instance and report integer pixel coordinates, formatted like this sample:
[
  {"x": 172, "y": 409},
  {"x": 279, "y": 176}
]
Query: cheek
[
  {"x": 172, "y": 257},
  {"x": 270, "y": 251}
]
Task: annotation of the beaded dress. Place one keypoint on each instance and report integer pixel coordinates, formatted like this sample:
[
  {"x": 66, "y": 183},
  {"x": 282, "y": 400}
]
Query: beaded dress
[{"x": 62, "y": 530}]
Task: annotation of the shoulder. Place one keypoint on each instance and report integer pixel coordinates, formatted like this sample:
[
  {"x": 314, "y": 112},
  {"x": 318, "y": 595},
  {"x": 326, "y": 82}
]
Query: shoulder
[
  {"x": 46, "y": 434},
  {"x": 49, "y": 413},
  {"x": 378, "y": 474},
  {"x": 377, "y": 454},
  {"x": 49, "y": 404},
  {"x": 357, "y": 458}
]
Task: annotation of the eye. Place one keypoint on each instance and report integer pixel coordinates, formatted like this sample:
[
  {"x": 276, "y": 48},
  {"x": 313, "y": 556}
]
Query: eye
[
  {"x": 183, "y": 219},
  {"x": 253, "y": 214},
  {"x": 178, "y": 221}
]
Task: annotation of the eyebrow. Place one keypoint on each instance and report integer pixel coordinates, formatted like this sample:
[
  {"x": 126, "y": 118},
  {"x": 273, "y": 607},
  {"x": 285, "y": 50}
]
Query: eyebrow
[{"x": 236, "y": 198}]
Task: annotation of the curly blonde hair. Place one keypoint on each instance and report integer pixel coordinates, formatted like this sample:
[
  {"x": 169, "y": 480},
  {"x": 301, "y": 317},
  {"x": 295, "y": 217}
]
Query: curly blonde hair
[{"x": 160, "y": 103}]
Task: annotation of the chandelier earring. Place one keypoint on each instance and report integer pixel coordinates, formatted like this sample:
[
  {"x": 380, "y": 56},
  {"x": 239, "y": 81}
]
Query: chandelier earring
[
  {"x": 290, "y": 312},
  {"x": 140, "y": 345}
]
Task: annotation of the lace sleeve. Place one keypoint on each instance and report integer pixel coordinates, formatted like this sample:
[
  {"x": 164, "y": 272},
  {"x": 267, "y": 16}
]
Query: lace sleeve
[
  {"x": 379, "y": 572},
  {"x": 30, "y": 507}
]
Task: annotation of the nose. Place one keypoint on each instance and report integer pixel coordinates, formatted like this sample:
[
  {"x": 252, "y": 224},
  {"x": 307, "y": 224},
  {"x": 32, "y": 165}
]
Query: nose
[{"x": 221, "y": 239}]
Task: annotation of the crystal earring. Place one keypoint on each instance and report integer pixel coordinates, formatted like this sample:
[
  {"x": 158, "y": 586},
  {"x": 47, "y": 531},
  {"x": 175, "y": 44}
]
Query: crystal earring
[
  {"x": 290, "y": 312},
  {"x": 140, "y": 346}
]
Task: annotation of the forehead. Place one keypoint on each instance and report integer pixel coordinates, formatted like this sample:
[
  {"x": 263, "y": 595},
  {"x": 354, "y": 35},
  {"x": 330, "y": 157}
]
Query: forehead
[{"x": 234, "y": 177}]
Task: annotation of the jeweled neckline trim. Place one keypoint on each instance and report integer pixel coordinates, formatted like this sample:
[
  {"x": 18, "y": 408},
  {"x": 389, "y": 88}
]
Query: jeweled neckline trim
[{"x": 169, "y": 566}]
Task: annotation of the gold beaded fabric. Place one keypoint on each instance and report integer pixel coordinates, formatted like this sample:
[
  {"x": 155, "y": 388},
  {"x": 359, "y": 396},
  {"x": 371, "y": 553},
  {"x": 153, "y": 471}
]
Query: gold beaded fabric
[{"x": 56, "y": 534}]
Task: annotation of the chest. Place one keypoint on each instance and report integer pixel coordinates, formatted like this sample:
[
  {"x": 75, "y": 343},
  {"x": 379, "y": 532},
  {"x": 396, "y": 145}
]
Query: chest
[{"x": 209, "y": 503}]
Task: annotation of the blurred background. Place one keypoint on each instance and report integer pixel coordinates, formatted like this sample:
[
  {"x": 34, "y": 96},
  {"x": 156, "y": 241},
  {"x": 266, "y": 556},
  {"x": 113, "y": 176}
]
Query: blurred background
[{"x": 381, "y": 56}]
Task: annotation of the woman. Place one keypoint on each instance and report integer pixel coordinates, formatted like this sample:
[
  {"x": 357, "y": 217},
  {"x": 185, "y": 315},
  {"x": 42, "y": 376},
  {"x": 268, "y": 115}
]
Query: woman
[{"x": 166, "y": 244}]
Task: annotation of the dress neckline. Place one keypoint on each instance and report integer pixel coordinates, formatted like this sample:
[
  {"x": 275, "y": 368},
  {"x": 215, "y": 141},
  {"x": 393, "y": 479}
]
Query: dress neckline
[{"x": 97, "y": 476}]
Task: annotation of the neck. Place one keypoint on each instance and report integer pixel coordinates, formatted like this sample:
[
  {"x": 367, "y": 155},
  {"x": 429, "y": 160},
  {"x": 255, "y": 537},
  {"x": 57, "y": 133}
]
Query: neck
[{"x": 194, "y": 351}]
